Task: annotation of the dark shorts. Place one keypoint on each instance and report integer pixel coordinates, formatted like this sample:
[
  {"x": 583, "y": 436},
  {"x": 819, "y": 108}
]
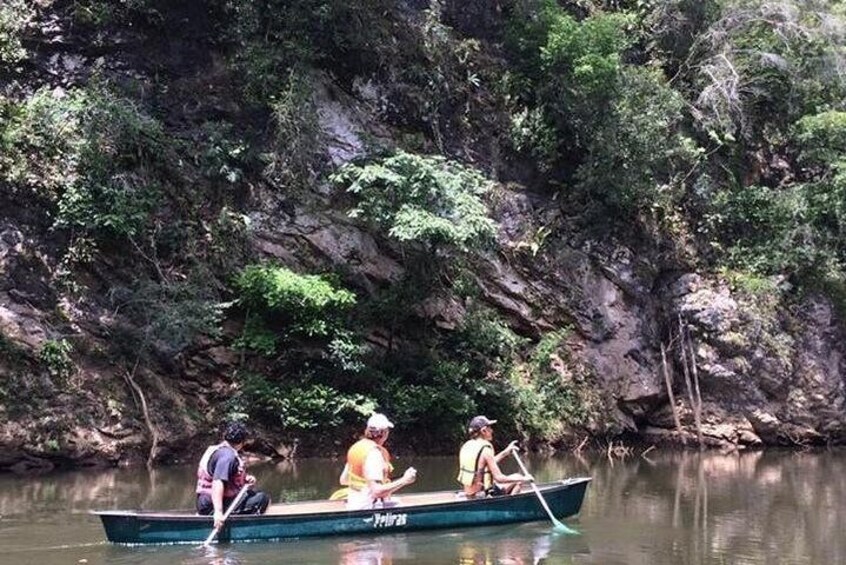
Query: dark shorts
[
  {"x": 256, "y": 502},
  {"x": 496, "y": 490}
]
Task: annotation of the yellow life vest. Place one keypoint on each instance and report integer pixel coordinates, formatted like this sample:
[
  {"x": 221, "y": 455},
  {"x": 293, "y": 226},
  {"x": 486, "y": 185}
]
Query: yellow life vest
[
  {"x": 469, "y": 460},
  {"x": 356, "y": 456}
]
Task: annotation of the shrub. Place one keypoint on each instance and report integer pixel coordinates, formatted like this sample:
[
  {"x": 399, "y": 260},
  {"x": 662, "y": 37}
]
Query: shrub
[
  {"x": 822, "y": 138},
  {"x": 256, "y": 336},
  {"x": 761, "y": 65},
  {"x": 55, "y": 357},
  {"x": 14, "y": 17},
  {"x": 427, "y": 200},
  {"x": 482, "y": 333},
  {"x": 636, "y": 156},
  {"x": 304, "y": 406},
  {"x": 103, "y": 13},
  {"x": 550, "y": 391},
  {"x": 437, "y": 399},
  {"x": 223, "y": 157},
  {"x": 275, "y": 36},
  {"x": 40, "y": 142},
  {"x": 92, "y": 153},
  {"x": 171, "y": 314},
  {"x": 308, "y": 305},
  {"x": 611, "y": 131},
  {"x": 294, "y": 157}
]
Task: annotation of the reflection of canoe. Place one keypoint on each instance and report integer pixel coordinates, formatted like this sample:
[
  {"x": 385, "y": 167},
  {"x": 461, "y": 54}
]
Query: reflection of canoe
[{"x": 325, "y": 518}]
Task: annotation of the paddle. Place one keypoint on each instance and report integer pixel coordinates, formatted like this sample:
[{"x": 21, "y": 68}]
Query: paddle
[
  {"x": 555, "y": 522},
  {"x": 241, "y": 494},
  {"x": 340, "y": 494}
]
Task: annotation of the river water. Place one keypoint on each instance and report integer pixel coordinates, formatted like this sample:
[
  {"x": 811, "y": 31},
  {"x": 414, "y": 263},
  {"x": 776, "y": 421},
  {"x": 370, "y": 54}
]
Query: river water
[{"x": 773, "y": 507}]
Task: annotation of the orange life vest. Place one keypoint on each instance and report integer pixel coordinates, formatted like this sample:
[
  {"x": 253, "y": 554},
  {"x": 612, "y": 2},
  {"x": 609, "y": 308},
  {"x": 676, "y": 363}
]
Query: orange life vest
[{"x": 356, "y": 456}]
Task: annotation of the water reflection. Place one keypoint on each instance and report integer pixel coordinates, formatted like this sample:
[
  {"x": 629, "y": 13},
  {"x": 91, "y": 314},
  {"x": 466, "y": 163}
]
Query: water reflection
[
  {"x": 486, "y": 546},
  {"x": 667, "y": 508}
]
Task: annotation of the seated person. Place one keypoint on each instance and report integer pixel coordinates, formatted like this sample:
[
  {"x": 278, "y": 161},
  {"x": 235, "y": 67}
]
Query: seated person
[
  {"x": 479, "y": 471},
  {"x": 368, "y": 468},
  {"x": 221, "y": 474}
]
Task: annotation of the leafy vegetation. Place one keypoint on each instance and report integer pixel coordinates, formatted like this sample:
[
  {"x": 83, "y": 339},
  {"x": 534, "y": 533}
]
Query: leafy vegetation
[
  {"x": 14, "y": 16},
  {"x": 55, "y": 357},
  {"x": 90, "y": 153},
  {"x": 304, "y": 406},
  {"x": 712, "y": 133},
  {"x": 275, "y": 38},
  {"x": 309, "y": 305},
  {"x": 425, "y": 200}
]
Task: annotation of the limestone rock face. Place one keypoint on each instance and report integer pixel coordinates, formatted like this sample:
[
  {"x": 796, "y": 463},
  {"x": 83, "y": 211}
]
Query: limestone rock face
[{"x": 770, "y": 362}]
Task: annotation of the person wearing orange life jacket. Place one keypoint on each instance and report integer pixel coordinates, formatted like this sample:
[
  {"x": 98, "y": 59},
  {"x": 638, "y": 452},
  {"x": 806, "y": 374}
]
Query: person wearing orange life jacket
[
  {"x": 368, "y": 469},
  {"x": 478, "y": 465},
  {"x": 221, "y": 474}
]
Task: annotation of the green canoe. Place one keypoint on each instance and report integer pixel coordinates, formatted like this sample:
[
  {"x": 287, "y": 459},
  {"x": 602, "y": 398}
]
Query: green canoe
[{"x": 329, "y": 518}]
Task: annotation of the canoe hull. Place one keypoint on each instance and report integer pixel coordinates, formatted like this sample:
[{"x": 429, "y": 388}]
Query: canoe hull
[{"x": 564, "y": 498}]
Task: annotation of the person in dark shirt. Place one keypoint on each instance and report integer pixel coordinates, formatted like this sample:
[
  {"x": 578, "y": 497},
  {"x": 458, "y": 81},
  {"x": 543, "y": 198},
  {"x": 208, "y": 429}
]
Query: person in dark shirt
[{"x": 221, "y": 474}]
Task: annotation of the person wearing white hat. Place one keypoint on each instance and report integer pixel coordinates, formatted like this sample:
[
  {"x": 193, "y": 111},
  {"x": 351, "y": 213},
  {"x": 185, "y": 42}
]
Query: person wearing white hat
[
  {"x": 478, "y": 467},
  {"x": 368, "y": 469}
]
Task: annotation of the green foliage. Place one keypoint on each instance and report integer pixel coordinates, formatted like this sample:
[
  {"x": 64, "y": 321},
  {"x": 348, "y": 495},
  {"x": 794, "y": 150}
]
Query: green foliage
[
  {"x": 750, "y": 283},
  {"x": 761, "y": 65},
  {"x": 223, "y": 157},
  {"x": 347, "y": 352},
  {"x": 309, "y": 305},
  {"x": 611, "y": 130},
  {"x": 799, "y": 228},
  {"x": 585, "y": 54},
  {"x": 484, "y": 334},
  {"x": 54, "y": 355},
  {"x": 91, "y": 152},
  {"x": 305, "y": 406},
  {"x": 103, "y": 13},
  {"x": 822, "y": 138},
  {"x": 39, "y": 140},
  {"x": 256, "y": 336},
  {"x": 763, "y": 228},
  {"x": 440, "y": 400},
  {"x": 568, "y": 66},
  {"x": 428, "y": 200},
  {"x": 294, "y": 158},
  {"x": 274, "y": 37},
  {"x": 14, "y": 17},
  {"x": 636, "y": 156},
  {"x": 550, "y": 392},
  {"x": 170, "y": 314}
]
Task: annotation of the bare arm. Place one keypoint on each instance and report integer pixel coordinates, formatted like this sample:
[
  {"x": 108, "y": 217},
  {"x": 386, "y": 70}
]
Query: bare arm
[
  {"x": 217, "y": 502},
  {"x": 512, "y": 447},
  {"x": 497, "y": 474},
  {"x": 345, "y": 475},
  {"x": 381, "y": 490}
]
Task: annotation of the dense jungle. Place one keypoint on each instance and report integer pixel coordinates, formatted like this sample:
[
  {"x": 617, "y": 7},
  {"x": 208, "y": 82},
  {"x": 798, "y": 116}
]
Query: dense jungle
[{"x": 598, "y": 221}]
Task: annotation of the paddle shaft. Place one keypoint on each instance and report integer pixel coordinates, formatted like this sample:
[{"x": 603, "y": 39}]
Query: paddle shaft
[
  {"x": 525, "y": 471},
  {"x": 241, "y": 494}
]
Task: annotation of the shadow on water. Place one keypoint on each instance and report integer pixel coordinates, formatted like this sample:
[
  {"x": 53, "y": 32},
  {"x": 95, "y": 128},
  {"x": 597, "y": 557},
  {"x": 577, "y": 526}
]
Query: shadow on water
[{"x": 667, "y": 508}]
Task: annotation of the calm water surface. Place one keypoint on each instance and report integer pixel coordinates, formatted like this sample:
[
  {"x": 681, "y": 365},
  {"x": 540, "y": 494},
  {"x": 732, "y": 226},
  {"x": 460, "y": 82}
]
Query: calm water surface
[{"x": 670, "y": 508}]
